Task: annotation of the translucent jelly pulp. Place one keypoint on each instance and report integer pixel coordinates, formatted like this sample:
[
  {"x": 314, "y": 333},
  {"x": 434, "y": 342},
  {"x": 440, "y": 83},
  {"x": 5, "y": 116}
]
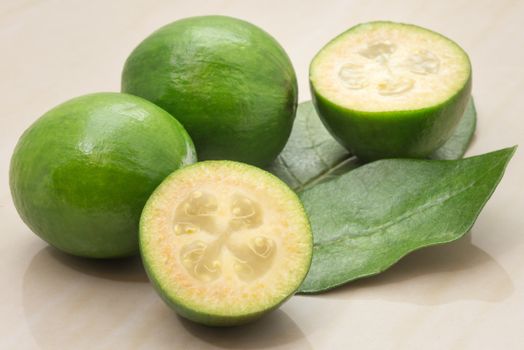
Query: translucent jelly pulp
[
  {"x": 384, "y": 72},
  {"x": 232, "y": 225},
  {"x": 388, "y": 66}
]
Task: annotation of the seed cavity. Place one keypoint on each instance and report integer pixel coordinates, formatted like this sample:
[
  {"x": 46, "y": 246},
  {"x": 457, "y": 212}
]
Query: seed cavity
[
  {"x": 245, "y": 213},
  {"x": 187, "y": 228},
  {"x": 196, "y": 213},
  {"x": 233, "y": 225},
  {"x": 200, "y": 204},
  {"x": 424, "y": 62},
  {"x": 382, "y": 73},
  {"x": 378, "y": 49},
  {"x": 200, "y": 260},
  {"x": 395, "y": 86},
  {"x": 254, "y": 258},
  {"x": 353, "y": 76},
  {"x": 262, "y": 246}
]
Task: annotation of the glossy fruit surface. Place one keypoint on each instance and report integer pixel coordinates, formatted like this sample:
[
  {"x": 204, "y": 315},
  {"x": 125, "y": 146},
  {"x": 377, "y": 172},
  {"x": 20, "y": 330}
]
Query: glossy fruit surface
[
  {"x": 387, "y": 90},
  {"x": 81, "y": 174},
  {"x": 227, "y": 81},
  {"x": 225, "y": 242}
]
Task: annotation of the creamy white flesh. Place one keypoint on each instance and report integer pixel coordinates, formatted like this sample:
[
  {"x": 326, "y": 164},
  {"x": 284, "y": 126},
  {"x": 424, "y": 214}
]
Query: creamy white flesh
[
  {"x": 226, "y": 241},
  {"x": 384, "y": 66}
]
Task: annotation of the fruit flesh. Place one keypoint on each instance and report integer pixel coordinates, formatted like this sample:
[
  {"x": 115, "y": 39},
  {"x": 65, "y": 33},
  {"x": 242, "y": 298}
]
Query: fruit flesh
[
  {"x": 81, "y": 174},
  {"x": 227, "y": 81},
  {"x": 225, "y": 242},
  {"x": 385, "y": 67},
  {"x": 198, "y": 217},
  {"x": 386, "y": 89}
]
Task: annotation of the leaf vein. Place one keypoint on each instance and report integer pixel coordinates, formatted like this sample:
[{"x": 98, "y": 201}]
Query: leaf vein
[
  {"x": 312, "y": 142},
  {"x": 323, "y": 175},
  {"x": 408, "y": 214}
]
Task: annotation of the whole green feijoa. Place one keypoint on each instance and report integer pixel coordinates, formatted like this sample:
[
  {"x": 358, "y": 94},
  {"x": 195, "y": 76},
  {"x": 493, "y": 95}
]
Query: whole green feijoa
[
  {"x": 81, "y": 174},
  {"x": 228, "y": 82},
  {"x": 389, "y": 90}
]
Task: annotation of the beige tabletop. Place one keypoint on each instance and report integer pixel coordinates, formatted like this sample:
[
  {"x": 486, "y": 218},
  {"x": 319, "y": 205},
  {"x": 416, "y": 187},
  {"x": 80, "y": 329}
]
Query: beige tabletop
[{"x": 466, "y": 295}]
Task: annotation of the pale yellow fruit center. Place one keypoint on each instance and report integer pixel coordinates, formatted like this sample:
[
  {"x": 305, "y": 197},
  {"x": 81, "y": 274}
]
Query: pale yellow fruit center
[
  {"x": 387, "y": 66},
  {"x": 231, "y": 225}
]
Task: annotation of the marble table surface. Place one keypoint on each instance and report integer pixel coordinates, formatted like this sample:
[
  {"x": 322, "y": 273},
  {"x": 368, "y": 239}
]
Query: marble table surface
[{"x": 465, "y": 295}]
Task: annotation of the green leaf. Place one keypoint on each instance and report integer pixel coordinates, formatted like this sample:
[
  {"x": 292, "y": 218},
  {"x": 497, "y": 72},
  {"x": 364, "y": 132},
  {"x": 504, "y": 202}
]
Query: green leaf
[
  {"x": 367, "y": 219},
  {"x": 312, "y": 155}
]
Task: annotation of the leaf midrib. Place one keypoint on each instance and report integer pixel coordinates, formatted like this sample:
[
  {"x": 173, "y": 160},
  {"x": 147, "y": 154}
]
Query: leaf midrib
[{"x": 418, "y": 209}]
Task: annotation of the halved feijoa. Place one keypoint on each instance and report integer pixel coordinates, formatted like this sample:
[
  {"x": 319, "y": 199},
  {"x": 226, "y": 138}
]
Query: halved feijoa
[
  {"x": 387, "y": 89},
  {"x": 224, "y": 242}
]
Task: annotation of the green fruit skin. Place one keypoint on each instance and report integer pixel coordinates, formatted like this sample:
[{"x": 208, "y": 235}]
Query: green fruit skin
[
  {"x": 227, "y": 81},
  {"x": 196, "y": 315},
  {"x": 204, "y": 318},
  {"x": 81, "y": 174},
  {"x": 396, "y": 134}
]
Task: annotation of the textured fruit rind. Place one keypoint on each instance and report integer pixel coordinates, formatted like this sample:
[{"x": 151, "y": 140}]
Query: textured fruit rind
[
  {"x": 81, "y": 174},
  {"x": 227, "y": 81}
]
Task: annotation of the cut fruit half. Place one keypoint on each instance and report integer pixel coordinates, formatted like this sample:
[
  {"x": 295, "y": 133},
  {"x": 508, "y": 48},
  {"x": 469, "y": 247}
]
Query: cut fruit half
[
  {"x": 387, "y": 89},
  {"x": 225, "y": 242}
]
